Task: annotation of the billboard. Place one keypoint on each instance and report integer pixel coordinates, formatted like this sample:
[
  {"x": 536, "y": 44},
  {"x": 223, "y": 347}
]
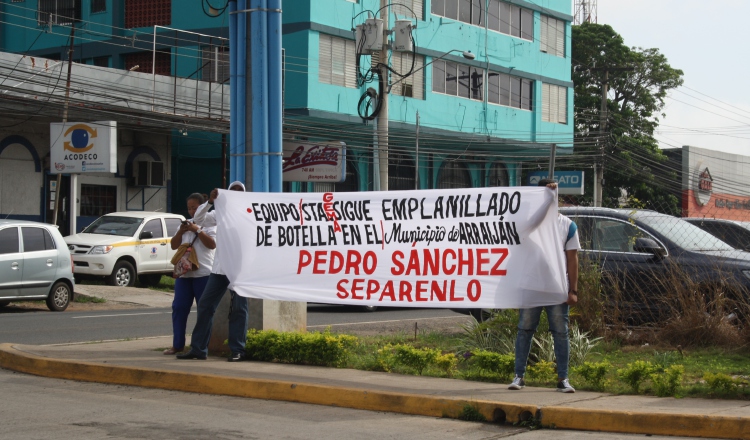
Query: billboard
[
  {"x": 314, "y": 162},
  {"x": 568, "y": 182},
  {"x": 83, "y": 147}
]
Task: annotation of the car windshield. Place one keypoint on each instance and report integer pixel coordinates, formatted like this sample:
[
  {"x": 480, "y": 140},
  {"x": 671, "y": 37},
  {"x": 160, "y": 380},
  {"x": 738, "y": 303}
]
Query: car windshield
[
  {"x": 684, "y": 234},
  {"x": 113, "y": 225}
]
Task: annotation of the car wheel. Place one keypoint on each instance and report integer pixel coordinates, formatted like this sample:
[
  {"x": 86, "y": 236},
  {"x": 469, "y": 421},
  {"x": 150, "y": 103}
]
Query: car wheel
[
  {"x": 123, "y": 275},
  {"x": 4, "y": 303},
  {"x": 481, "y": 315},
  {"x": 149, "y": 280},
  {"x": 59, "y": 297}
]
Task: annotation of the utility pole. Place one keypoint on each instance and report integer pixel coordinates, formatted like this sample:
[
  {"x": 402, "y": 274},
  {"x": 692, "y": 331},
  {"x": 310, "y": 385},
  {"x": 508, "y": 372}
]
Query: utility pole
[
  {"x": 416, "y": 158},
  {"x": 383, "y": 115},
  {"x": 64, "y": 120},
  {"x": 599, "y": 166}
]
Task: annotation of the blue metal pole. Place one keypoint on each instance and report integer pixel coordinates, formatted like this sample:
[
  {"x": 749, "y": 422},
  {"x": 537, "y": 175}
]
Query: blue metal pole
[
  {"x": 232, "y": 91},
  {"x": 241, "y": 108},
  {"x": 275, "y": 104},
  {"x": 259, "y": 106}
]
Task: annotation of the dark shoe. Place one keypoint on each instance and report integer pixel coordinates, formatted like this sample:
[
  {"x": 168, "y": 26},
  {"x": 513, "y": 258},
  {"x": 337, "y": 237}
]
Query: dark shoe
[
  {"x": 517, "y": 384},
  {"x": 237, "y": 357},
  {"x": 190, "y": 355},
  {"x": 564, "y": 386}
]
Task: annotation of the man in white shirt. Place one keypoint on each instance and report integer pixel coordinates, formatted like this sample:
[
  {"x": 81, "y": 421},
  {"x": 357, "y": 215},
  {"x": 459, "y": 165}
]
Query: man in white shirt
[
  {"x": 557, "y": 315},
  {"x": 215, "y": 289}
]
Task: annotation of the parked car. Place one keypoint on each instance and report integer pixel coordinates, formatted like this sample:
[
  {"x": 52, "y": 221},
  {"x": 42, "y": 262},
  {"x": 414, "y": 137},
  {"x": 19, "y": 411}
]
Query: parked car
[
  {"x": 733, "y": 232},
  {"x": 124, "y": 245},
  {"x": 34, "y": 264},
  {"x": 642, "y": 255}
]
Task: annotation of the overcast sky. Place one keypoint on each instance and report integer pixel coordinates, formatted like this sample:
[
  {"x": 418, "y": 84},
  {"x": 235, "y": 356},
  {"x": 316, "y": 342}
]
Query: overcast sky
[{"x": 708, "y": 41}]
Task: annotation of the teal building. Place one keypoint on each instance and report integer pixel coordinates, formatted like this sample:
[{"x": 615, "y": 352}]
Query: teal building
[{"x": 480, "y": 119}]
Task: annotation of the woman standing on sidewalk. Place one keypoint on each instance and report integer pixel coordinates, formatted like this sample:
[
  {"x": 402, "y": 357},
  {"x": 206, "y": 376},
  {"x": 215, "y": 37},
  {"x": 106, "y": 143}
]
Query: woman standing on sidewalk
[{"x": 189, "y": 287}]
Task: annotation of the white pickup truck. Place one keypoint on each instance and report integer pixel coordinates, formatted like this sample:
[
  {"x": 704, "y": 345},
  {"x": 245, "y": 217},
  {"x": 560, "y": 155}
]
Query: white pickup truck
[{"x": 123, "y": 246}]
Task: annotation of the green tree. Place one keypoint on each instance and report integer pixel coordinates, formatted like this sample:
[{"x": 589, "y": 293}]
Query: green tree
[{"x": 635, "y": 103}]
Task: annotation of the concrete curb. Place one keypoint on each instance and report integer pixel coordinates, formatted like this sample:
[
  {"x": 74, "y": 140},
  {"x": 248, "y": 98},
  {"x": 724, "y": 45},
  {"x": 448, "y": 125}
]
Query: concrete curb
[
  {"x": 15, "y": 360},
  {"x": 686, "y": 425},
  {"x": 631, "y": 422}
]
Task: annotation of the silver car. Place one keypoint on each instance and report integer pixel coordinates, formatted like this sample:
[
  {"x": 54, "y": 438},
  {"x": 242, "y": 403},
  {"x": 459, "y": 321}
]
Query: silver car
[{"x": 35, "y": 264}]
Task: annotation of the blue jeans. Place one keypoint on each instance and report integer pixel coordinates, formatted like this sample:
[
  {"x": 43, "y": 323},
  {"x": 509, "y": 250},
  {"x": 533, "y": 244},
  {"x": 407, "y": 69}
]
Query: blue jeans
[
  {"x": 185, "y": 291},
  {"x": 528, "y": 320},
  {"x": 215, "y": 290}
]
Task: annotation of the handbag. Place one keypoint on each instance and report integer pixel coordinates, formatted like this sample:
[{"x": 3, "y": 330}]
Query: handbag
[{"x": 185, "y": 259}]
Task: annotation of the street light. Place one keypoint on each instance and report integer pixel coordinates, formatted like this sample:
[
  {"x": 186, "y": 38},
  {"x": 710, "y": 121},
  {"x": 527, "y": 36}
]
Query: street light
[{"x": 381, "y": 163}]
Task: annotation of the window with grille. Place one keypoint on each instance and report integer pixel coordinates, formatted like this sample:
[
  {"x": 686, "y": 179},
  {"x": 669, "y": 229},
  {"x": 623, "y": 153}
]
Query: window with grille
[
  {"x": 453, "y": 174},
  {"x": 509, "y": 90},
  {"x": 458, "y": 80},
  {"x": 144, "y": 61},
  {"x": 215, "y": 64},
  {"x": 498, "y": 175},
  {"x": 554, "y": 104},
  {"x": 148, "y": 13},
  {"x": 337, "y": 64},
  {"x": 401, "y": 172},
  {"x": 413, "y": 85},
  {"x": 500, "y": 16},
  {"x": 97, "y": 200},
  {"x": 404, "y": 9},
  {"x": 98, "y": 6},
  {"x": 100, "y": 61},
  {"x": 552, "y": 40},
  {"x": 59, "y": 12},
  {"x": 351, "y": 183}
]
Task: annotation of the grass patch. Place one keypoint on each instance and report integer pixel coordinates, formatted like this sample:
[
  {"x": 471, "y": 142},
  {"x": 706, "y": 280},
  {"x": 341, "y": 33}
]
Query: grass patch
[
  {"x": 79, "y": 298},
  {"x": 166, "y": 284}
]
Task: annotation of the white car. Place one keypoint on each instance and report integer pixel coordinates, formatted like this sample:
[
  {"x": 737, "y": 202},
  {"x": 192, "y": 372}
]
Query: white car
[{"x": 124, "y": 245}]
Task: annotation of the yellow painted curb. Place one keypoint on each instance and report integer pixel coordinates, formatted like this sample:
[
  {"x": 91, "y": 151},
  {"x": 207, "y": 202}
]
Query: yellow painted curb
[
  {"x": 433, "y": 406},
  {"x": 630, "y": 422}
]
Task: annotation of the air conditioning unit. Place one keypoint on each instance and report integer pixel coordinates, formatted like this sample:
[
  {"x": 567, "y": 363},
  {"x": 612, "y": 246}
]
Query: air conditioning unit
[{"x": 148, "y": 173}]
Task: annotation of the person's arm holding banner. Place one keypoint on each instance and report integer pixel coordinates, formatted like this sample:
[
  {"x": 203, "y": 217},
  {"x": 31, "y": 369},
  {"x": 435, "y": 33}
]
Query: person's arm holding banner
[{"x": 571, "y": 260}]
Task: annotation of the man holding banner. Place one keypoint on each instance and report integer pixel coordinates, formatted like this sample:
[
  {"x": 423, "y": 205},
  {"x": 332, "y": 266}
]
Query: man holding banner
[
  {"x": 215, "y": 289},
  {"x": 557, "y": 315}
]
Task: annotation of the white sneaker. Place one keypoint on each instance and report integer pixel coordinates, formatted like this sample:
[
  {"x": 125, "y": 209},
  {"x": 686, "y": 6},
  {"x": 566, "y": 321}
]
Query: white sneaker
[
  {"x": 517, "y": 384},
  {"x": 564, "y": 386}
]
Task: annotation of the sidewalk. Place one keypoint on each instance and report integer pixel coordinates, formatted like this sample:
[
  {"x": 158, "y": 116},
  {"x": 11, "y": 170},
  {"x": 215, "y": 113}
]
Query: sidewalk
[
  {"x": 126, "y": 295},
  {"x": 140, "y": 363}
]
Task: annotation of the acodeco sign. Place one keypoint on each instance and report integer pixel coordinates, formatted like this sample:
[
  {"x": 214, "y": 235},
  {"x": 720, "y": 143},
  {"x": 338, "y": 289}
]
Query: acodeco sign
[
  {"x": 83, "y": 147},
  {"x": 311, "y": 162}
]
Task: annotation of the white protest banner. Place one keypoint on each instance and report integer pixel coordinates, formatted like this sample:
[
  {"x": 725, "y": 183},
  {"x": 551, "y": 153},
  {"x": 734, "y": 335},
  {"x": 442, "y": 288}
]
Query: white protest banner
[{"x": 457, "y": 248}]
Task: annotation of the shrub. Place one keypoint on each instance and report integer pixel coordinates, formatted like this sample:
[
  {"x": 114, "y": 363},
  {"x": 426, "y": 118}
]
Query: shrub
[
  {"x": 581, "y": 346},
  {"x": 594, "y": 373},
  {"x": 415, "y": 358},
  {"x": 501, "y": 364},
  {"x": 324, "y": 349},
  {"x": 496, "y": 334},
  {"x": 543, "y": 372},
  {"x": 544, "y": 347},
  {"x": 667, "y": 382},
  {"x": 635, "y": 373},
  {"x": 720, "y": 382},
  {"x": 447, "y": 363}
]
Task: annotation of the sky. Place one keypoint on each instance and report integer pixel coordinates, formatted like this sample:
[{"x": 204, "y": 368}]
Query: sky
[{"x": 708, "y": 41}]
